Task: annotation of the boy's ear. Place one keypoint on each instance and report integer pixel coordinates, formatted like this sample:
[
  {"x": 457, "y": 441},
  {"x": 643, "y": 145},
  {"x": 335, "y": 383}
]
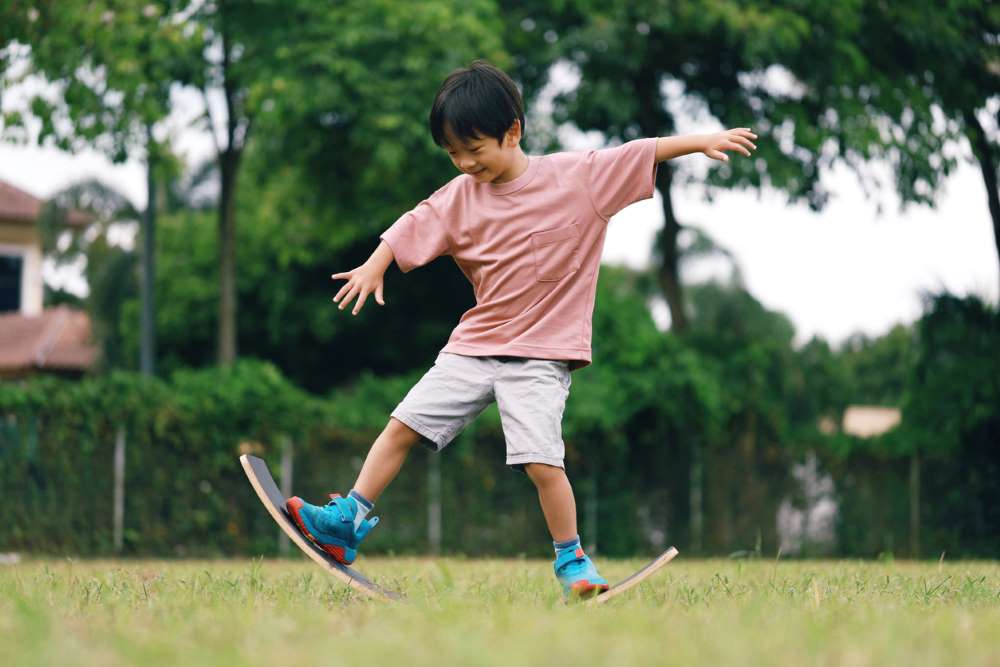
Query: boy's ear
[{"x": 513, "y": 136}]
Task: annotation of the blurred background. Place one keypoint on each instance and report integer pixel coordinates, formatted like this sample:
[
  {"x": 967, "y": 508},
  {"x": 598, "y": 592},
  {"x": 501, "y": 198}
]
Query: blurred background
[{"x": 795, "y": 355}]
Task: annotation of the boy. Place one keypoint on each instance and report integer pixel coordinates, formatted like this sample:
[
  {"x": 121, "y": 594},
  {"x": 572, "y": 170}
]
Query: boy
[{"x": 527, "y": 232}]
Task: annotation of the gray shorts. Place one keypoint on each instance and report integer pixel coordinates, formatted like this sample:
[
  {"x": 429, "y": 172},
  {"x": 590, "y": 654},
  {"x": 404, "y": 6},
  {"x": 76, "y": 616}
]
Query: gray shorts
[{"x": 531, "y": 395}]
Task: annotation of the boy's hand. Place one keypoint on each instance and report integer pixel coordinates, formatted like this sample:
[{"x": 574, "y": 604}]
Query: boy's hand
[
  {"x": 737, "y": 139},
  {"x": 361, "y": 282}
]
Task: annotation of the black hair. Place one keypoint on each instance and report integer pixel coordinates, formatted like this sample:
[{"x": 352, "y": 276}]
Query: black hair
[{"x": 475, "y": 101}]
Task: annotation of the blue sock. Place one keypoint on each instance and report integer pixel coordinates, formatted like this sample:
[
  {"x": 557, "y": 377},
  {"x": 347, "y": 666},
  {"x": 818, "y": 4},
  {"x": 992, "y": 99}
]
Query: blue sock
[
  {"x": 364, "y": 507},
  {"x": 559, "y": 546}
]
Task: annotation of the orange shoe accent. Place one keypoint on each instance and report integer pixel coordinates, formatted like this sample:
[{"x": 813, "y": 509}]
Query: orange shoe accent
[
  {"x": 584, "y": 588},
  {"x": 337, "y": 553},
  {"x": 293, "y": 505},
  {"x": 579, "y": 552}
]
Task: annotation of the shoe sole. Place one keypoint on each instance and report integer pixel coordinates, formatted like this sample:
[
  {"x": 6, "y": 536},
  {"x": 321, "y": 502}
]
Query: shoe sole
[
  {"x": 293, "y": 505},
  {"x": 585, "y": 589}
]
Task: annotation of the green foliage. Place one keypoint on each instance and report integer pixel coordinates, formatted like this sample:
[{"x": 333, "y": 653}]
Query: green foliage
[
  {"x": 347, "y": 119},
  {"x": 114, "y": 64},
  {"x": 185, "y": 491},
  {"x": 956, "y": 386}
]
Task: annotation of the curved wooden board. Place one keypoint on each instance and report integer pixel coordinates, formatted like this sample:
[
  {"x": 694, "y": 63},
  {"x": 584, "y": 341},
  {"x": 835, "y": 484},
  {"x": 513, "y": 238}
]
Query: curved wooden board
[
  {"x": 636, "y": 578},
  {"x": 262, "y": 482}
]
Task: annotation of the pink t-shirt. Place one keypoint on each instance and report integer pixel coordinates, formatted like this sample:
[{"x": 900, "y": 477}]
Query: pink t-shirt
[{"x": 531, "y": 247}]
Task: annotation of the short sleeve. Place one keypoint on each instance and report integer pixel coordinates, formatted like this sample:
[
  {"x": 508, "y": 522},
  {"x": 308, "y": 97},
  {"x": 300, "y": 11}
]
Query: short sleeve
[
  {"x": 622, "y": 175},
  {"x": 418, "y": 237}
]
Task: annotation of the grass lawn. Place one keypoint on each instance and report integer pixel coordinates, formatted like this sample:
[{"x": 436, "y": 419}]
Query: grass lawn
[{"x": 498, "y": 612}]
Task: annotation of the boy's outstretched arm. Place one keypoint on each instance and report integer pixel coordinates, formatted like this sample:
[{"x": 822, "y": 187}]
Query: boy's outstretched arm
[
  {"x": 365, "y": 279},
  {"x": 712, "y": 145}
]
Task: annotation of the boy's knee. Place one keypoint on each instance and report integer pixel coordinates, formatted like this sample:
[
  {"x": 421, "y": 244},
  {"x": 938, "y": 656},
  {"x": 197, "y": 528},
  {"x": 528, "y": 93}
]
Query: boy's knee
[
  {"x": 401, "y": 434},
  {"x": 541, "y": 473}
]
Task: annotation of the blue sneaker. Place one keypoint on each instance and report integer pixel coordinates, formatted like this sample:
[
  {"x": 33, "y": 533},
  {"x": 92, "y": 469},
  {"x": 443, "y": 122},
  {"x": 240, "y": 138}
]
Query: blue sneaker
[
  {"x": 331, "y": 527},
  {"x": 577, "y": 573}
]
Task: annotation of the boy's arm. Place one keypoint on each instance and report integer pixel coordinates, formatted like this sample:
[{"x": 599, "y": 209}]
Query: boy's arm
[
  {"x": 365, "y": 279},
  {"x": 712, "y": 145}
]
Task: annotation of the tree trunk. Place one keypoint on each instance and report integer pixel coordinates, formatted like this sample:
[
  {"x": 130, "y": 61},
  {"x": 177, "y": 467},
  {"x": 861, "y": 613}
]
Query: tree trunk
[
  {"x": 228, "y": 164},
  {"x": 668, "y": 272},
  {"x": 668, "y": 275},
  {"x": 147, "y": 348},
  {"x": 237, "y": 130},
  {"x": 986, "y": 155}
]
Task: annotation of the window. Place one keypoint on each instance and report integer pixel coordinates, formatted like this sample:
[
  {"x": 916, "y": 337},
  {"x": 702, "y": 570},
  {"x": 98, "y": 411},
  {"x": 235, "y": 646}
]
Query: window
[{"x": 10, "y": 282}]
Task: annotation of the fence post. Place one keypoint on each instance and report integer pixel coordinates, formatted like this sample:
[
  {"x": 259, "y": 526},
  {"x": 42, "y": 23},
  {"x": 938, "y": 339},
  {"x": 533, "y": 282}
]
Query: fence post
[
  {"x": 434, "y": 503},
  {"x": 697, "y": 518},
  {"x": 118, "y": 518},
  {"x": 287, "y": 458},
  {"x": 915, "y": 505}
]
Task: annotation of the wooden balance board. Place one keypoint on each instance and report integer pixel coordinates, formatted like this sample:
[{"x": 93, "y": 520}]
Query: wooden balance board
[{"x": 262, "y": 482}]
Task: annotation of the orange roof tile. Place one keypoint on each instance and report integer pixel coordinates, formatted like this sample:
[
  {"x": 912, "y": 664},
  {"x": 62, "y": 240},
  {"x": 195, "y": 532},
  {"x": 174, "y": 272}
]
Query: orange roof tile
[
  {"x": 20, "y": 206},
  {"x": 58, "y": 339}
]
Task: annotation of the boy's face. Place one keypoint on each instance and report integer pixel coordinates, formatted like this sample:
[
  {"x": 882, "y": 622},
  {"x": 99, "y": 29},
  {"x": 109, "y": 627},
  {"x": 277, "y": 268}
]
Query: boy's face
[{"x": 482, "y": 158}]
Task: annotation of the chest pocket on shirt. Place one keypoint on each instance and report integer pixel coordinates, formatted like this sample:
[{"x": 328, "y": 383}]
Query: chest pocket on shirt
[{"x": 556, "y": 253}]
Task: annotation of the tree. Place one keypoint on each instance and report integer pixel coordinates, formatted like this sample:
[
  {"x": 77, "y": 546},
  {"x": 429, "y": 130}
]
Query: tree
[
  {"x": 942, "y": 64},
  {"x": 112, "y": 65}
]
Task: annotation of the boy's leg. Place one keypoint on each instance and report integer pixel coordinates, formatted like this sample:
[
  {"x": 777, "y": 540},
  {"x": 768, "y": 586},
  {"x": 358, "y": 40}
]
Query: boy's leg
[
  {"x": 449, "y": 395},
  {"x": 340, "y": 527},
  {"x": 574, "y": 569},
  {"x": 531, "y": 395},
  {"x": 385, "y": 458},
  {"x": 556, "y": 497}
]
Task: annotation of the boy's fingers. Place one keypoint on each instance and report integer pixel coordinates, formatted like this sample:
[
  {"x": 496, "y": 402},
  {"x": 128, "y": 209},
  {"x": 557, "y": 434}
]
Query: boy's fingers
[
  {"x": 343, "y": 290},
  {"x": 361, "y": 301},
  {"x": 733, "y": 146},
  {"x": 338, "y": 276},
  {"x": 378, "y": 295},
  {"x": 347, "y": 299}
]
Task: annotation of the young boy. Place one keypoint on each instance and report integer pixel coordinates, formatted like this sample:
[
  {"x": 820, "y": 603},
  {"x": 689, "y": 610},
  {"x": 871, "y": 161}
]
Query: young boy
[{"x": 527, "y": 231}]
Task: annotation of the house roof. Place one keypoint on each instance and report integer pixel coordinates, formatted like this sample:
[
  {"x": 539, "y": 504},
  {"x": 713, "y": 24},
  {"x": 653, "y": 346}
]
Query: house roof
[
  {"x": 58, "y": 339},
  {"x": 20, "y": 206}
]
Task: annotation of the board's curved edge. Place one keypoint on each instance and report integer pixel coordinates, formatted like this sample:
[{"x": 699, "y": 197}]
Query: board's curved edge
[
  {"x": 354, "y": 579},
  {"x": 636, "y": 578}
]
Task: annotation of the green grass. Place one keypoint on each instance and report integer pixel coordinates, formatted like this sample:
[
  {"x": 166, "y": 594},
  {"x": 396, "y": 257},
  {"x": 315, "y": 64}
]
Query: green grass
[{"x": 498, "y": 612}]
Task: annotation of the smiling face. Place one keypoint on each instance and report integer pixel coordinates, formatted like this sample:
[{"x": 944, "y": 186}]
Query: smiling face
[{"x": 486, "y": 159}]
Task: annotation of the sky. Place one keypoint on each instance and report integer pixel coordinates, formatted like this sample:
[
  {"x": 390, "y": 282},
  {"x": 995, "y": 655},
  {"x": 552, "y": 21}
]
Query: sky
[{"x": 842, "y": 271}]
